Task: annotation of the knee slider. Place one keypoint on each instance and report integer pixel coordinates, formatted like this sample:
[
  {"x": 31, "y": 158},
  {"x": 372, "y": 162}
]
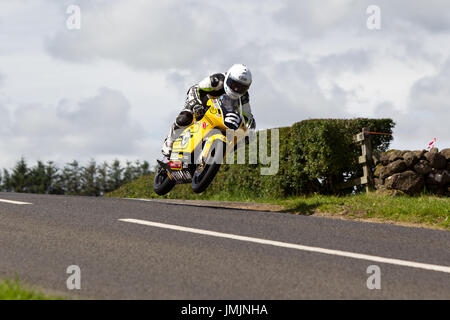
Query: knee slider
[{"x": 184, "y": 119}]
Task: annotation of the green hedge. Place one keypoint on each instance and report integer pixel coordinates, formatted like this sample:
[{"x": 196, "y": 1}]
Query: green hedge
[
  {"x": 326, "y": 149},
  {"x": 316, "y": 155}
]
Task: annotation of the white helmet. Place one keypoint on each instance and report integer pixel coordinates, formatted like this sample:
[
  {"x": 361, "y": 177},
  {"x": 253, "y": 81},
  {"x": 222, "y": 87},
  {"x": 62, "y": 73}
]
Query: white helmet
[{"x": 237, "y": 81}]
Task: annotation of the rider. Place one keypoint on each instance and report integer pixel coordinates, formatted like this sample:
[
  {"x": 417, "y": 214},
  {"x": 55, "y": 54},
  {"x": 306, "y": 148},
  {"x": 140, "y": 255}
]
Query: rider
[{"x": 233, "y": 83}]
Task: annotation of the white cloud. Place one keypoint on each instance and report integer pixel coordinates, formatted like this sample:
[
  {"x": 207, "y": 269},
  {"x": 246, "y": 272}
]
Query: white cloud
[
  {"x": 427, "y": 114},
  {"x": 309, "y": 59},
  {"x": 99, "y": 127},
  {"x": 432, "y": 93},
  {"x": 143, "y": 34}
]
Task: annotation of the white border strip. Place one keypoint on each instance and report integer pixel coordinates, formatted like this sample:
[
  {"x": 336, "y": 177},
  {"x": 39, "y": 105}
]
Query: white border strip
[
  {"x": 14, "y": 202},
  {"x": 347, "y": 254}
]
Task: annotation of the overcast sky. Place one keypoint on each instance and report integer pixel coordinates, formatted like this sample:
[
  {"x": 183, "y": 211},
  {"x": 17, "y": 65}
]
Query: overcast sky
[{"x": 112, "y": 88}]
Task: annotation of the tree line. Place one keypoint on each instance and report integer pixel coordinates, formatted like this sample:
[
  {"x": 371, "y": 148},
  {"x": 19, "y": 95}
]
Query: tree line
[{"x": 73, "y": 179}]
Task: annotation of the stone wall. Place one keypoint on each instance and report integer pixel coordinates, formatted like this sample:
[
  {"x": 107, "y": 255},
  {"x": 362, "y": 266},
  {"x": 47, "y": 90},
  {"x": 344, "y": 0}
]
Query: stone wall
[{"x": 412, "y": 172}]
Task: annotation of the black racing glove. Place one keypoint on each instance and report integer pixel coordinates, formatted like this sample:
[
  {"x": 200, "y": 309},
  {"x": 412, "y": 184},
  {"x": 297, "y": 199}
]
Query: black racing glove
[{"x": 199, "y": 111}]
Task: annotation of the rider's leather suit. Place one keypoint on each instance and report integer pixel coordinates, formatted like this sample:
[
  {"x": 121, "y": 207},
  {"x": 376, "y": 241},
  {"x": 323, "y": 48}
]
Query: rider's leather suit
[{"x": 197, "y": 97}]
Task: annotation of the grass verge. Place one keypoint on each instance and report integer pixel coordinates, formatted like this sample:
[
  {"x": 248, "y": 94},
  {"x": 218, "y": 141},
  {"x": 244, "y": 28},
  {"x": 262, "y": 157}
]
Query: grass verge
[
  {"x": 424, "y": 210},
  {"x": 13, "y": 290}
]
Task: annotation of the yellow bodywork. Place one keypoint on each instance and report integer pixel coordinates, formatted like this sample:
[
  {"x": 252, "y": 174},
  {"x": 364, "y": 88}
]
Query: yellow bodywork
[{"x": 211, "y": 127}]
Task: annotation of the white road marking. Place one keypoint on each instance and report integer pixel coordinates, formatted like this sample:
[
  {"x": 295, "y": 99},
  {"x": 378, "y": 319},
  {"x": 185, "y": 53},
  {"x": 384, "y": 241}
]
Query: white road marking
[
  {"x": 14, "y": 202},
  {"x": 347, "y": 254}
]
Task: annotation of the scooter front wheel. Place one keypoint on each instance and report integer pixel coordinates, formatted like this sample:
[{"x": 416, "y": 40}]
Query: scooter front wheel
[{"x": 205, "y": 172}]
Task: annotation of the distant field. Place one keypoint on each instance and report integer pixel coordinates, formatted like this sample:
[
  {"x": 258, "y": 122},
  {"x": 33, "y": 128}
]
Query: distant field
[{"x": 424, "y": 210}]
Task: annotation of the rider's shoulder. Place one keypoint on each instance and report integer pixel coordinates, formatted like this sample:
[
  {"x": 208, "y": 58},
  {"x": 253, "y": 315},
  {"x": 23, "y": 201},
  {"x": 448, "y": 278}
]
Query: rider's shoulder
[
  {"x": 214, "y": 81},
  {"x": 217, "y": 79}
]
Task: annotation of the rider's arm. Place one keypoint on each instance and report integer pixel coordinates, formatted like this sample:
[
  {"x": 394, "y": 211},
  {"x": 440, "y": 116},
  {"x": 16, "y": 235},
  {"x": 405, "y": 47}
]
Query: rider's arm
[
  {"x": 247, "y": 111},
  {"x": 193, "y": 97},
  {"x": 211, "y": 85}
]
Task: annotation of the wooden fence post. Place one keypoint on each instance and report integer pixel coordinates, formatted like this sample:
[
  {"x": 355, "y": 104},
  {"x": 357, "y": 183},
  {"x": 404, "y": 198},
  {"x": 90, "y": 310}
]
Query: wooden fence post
[{"x": 365, "y": 159}]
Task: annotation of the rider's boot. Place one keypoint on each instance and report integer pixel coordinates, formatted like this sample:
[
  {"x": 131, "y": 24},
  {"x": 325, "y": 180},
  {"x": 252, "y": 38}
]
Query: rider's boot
[
  {"x": 183, "y": 121},
  {"x": 168, "y": 142}
]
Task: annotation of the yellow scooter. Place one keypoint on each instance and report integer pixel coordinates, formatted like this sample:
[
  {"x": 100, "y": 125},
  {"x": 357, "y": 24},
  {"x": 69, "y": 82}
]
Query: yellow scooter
[{"x": 201, "y": 148}]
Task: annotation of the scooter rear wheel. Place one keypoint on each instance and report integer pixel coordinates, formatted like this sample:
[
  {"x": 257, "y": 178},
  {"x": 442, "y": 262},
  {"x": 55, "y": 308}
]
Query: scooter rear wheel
[{"x": 162, "y": 184}]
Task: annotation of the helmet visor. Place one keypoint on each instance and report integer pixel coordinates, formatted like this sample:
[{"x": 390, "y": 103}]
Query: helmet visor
[{"x": 237, "y": 87}]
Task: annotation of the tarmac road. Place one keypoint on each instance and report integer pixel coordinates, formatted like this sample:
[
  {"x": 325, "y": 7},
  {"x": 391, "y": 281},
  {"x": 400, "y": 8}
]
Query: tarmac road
[{"x": 131, "y": 249}]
